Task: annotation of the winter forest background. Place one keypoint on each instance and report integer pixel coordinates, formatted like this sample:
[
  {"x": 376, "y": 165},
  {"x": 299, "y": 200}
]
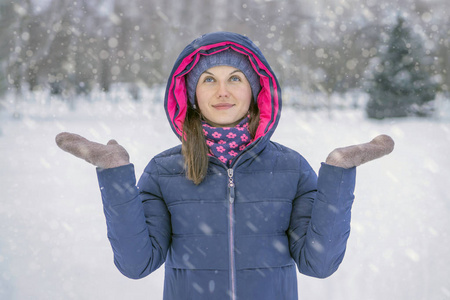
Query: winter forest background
[
  {"x": 330, "y": 47},
  {"x": 350, "y": 69}
]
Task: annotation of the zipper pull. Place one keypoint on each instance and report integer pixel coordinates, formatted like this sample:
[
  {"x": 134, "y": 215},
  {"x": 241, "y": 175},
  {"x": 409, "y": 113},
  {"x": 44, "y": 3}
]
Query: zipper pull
[{"x": 231, "y": 185}]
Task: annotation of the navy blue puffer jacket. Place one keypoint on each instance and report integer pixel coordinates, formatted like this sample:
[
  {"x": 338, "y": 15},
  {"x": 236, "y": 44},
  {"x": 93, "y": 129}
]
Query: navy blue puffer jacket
[{"x": 242, "y": 232}]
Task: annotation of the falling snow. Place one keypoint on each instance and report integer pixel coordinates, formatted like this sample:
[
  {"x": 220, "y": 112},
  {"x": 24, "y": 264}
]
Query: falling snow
[
  {"x": 53, "y": 236},
  {"x": 53, "y": 242}
]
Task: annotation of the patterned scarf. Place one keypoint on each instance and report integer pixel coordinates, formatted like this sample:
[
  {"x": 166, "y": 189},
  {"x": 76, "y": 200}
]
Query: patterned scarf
[{"x": 226, "y": 143}]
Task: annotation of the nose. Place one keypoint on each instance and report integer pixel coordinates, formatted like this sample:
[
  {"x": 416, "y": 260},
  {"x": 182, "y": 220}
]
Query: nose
[{"x": 222, "y": 90}]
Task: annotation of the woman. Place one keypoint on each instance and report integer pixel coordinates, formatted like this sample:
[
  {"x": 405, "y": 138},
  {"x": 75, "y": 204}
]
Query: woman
[{"x": 231, "y": 213}]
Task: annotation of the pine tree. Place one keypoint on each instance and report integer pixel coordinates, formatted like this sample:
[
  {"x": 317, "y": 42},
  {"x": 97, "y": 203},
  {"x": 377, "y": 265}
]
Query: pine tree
[{"x": 401, "y": 84}]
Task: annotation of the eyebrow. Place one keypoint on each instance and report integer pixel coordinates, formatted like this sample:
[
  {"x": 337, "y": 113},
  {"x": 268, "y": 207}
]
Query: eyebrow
[{"x": 235, "y": 71}]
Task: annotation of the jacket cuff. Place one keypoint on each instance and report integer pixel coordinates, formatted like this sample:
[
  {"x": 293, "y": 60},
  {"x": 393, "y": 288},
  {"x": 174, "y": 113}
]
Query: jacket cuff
[
  {"x": 117, "y": 185},
  {"x": 336, "y": 183}
]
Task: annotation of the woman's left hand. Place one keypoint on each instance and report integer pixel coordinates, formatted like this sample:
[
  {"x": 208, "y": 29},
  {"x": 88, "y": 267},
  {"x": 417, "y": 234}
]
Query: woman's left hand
[
  {"x": 353, "y": 156},
  {"x": 107, "y": 156}
]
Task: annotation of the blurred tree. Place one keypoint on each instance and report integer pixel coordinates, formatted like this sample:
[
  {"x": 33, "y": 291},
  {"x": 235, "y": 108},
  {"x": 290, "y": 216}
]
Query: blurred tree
[
  {"x": 401, "y": 84},
  {"x": 73, "y": 47},
  {"x": 6, "y": 22}
]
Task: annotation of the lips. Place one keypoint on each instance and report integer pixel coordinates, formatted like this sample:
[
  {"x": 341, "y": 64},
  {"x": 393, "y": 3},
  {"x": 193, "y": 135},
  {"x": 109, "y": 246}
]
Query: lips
[{"x": 222, "y": 106}]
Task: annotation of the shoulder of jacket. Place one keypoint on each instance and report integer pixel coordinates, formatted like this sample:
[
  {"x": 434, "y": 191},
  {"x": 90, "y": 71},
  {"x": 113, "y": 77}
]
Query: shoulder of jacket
[
  {"x": 168, "y": 161},
  {"x": 169, "y": 153},
  {"x": 277, "y": 147},
  {"x": 290, "y": 157}
]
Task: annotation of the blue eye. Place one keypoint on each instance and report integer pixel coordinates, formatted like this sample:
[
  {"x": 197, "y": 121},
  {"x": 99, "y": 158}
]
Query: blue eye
[
  {"x": 235, "y": 78},
  {"x": 208, "y": 79}
]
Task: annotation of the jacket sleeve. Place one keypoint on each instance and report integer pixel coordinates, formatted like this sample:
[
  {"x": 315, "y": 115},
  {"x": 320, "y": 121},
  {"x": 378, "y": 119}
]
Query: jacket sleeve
[
  {"x": 320, "y": 219},
  {"x": 137, "y": 220}
]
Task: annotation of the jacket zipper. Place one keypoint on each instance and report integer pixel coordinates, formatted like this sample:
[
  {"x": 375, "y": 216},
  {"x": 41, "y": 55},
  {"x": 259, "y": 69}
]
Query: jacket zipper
[{"x": 231, "y": 196}]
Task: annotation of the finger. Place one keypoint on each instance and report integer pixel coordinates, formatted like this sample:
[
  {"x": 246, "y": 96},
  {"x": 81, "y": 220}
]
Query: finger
[
  {"x": 356, "y": 155},
  {"x": 74, "y": 144},
  {"x": 112, "y": 142},
  {"x": 65, "y": 140},
  {"x": 61, "y": 138},
  {"x": 376, "y": 148},
  {"x": 385, "y": 143}
]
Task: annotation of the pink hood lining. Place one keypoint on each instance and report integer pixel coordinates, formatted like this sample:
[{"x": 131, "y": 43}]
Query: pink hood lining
[{"x": 177, "y": 96}]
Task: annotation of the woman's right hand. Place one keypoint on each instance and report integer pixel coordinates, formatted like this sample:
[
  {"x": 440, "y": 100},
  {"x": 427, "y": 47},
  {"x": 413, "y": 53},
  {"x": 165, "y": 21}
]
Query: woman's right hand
[{"x": 106, "y": 156}]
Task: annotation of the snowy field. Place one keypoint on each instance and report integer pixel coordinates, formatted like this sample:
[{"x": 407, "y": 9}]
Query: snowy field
[{"x": 53, "y": 242}]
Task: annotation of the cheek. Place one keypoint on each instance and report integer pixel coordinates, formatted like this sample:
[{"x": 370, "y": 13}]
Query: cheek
[
  {"x": 246, "y": 100},
  {"x": 245, "y": 108},
  {"x": 203, "y": 108},
  {"x": 201, "y": 97},
  {"x": 246, "y": 95}
]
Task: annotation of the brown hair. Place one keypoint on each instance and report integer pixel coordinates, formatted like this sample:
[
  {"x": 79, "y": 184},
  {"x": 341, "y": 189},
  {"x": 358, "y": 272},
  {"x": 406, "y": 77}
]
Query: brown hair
[{"x": 194, "y": 148}]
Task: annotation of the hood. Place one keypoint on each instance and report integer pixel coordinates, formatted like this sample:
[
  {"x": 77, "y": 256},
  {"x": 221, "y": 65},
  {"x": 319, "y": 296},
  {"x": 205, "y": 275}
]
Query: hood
[{"x": 269, "y": 98}]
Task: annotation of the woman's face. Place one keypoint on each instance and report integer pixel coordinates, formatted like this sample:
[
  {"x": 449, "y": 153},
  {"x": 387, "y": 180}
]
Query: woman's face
[{"x": 223, "y": 96}]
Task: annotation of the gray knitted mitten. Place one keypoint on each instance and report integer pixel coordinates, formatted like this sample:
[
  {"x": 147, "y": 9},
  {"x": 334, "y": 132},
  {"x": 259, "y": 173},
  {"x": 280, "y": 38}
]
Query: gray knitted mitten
[
  {"x": 106, "y": 156},
  {"x": 353, "y": 156}
]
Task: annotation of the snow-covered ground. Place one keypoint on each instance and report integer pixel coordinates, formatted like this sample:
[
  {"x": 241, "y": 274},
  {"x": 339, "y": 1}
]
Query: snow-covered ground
[{"x": 53, "y": 242}]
